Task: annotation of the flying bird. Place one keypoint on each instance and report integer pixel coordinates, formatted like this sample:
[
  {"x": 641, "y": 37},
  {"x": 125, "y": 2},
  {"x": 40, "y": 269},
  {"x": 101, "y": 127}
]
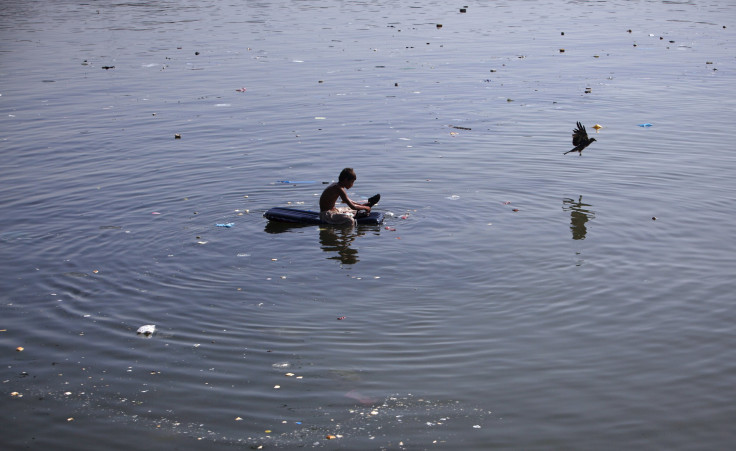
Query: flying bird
[{"x": 580, "y": 140}]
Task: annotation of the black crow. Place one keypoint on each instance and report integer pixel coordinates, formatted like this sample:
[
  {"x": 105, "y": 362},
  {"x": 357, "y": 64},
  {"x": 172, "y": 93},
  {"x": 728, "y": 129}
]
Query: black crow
[{"x": 580, "y": 140}]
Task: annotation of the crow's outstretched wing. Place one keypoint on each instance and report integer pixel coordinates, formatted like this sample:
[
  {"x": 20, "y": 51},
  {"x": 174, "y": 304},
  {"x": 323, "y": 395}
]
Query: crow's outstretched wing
[{"x": 579, "y": 135}]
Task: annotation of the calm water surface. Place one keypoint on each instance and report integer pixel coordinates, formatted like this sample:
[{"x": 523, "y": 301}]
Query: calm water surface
[{"x": 514, "y": 298}]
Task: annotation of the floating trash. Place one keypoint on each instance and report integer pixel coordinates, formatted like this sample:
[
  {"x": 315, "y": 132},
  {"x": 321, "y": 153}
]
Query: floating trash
[
  {"x": 647, "y": 124},
  {"x": 228, "y": 224},
  {"x": 147, "y": 330}
]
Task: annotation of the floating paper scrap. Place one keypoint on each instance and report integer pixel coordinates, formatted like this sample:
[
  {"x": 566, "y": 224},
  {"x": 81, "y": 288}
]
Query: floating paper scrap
[{"x": 147, "y": 330}]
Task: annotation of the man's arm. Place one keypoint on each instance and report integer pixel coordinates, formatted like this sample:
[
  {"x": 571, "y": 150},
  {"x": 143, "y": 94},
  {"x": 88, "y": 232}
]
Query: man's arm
[{"x": 350, "y": 203}]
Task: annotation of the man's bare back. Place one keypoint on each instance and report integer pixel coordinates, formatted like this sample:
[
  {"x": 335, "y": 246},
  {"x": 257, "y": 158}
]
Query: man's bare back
[{"x": 330, "y": 195}]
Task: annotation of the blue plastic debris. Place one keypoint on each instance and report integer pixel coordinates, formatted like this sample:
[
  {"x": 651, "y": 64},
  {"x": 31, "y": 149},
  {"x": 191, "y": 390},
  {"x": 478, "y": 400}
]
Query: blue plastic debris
[
  {"x": 645, "y": 125},
  {"x": 228, "y": 225},
  {"x": 299, "y": 182}
]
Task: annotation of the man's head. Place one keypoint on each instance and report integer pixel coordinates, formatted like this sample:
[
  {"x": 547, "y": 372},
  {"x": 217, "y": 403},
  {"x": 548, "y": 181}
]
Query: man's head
[{"x": 347, "y": 174}]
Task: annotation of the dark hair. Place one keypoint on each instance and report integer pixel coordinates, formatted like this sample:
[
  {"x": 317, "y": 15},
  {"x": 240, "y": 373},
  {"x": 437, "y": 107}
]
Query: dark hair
[{"x": 347, "y": 174}]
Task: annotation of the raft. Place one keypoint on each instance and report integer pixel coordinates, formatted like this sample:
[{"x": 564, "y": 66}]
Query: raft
[{"x": 296, "y": 216}]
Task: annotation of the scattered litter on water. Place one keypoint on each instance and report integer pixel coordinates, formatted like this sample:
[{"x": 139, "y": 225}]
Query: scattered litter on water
[
  {"x": 299, "y": 182},
  {"x": 228, "y": 224},
  {"x": 147, "y": 330}
]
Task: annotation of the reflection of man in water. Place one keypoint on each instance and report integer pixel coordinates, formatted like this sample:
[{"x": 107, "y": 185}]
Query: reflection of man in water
[
  {"x": 338, "y": 240},
  {"x": 579, "y": 215}
]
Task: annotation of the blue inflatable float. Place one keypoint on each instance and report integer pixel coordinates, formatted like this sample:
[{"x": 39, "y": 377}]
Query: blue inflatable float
[{"x": 296, "y": 216}]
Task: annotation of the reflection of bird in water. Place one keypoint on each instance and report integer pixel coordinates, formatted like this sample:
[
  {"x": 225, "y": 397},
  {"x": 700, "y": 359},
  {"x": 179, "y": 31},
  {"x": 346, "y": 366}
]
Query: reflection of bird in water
[
  {"x": 579, "y": 216},
  {"x": 580, "y": 140}
]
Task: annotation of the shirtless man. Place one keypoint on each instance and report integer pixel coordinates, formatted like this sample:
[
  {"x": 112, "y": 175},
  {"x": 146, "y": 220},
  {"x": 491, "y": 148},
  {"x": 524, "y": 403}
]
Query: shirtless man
[{"x": 343, "y": 215}]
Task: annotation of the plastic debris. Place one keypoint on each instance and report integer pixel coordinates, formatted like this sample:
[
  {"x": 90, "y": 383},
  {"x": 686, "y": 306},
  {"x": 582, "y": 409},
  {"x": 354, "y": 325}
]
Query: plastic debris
[
  {"x": 19, "y": 349},
  {"x": 297, "y": 182},
  {"x": 647, "y": 124},
  {"x": 228, "y": 225},
  {"x": 597, "y": 127},
  {"x": 147, "y": 330},
  {"x": 341, "y": 318},
  {"x": 241, "y": 90}
]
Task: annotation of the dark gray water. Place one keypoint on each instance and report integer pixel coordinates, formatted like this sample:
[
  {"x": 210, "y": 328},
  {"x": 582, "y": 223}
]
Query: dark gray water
[{"x": 515, "y": 298}]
